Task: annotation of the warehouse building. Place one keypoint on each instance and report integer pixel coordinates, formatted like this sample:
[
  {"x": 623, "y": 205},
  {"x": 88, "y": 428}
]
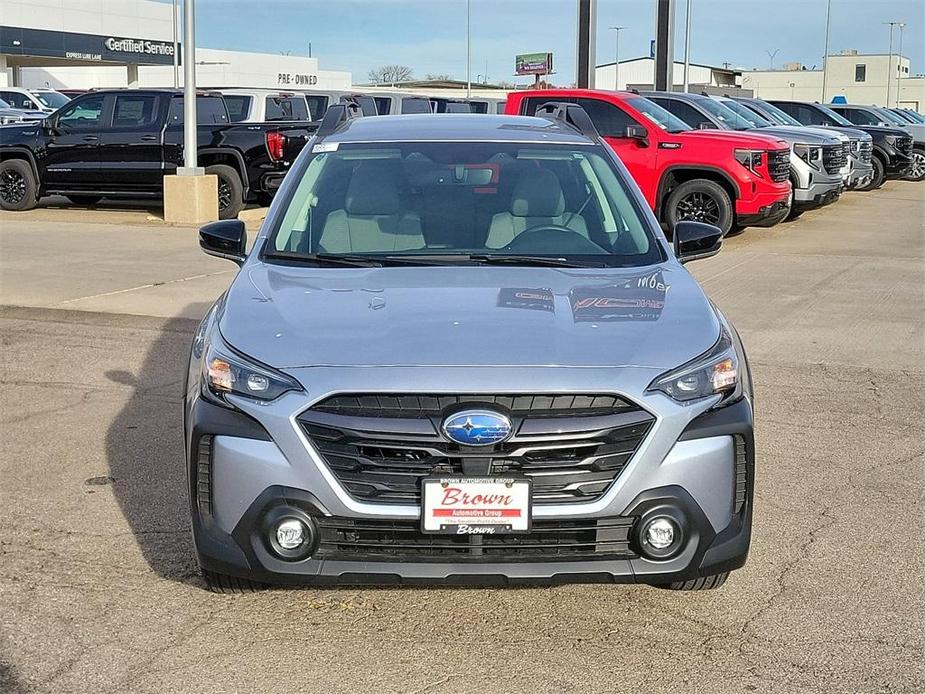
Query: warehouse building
[
  {"x": 83, "y": 44},
  {"x": 852, "y": 77}
]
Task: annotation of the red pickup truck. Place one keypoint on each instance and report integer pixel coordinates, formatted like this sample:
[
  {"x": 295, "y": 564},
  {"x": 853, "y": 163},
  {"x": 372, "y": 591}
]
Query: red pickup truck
[{"x": 726, "y": 178}]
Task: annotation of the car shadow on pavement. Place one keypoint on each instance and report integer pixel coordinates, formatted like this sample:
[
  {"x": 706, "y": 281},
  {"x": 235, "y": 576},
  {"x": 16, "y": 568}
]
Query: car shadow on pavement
[{"x": 144, "y": 447}]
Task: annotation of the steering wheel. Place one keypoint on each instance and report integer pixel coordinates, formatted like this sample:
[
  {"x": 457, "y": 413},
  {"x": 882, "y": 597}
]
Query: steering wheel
[{"x": 552, "y": 239}]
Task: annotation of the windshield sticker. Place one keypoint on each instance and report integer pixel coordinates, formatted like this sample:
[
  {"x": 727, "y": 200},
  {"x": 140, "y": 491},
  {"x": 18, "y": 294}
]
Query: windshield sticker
[{"x": 325, "y": 147}]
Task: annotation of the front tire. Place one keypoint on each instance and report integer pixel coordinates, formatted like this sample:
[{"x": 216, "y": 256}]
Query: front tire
[
  {"x": 700, "y": 200},
  {"x": 879, "y": 174},
  {"x": 230, "y": 190},
  {"x": 917, "y": 169},
  {"x": 703, "y": 583},
  {"x": 222, "y": 583},
  {"x": 18, "y": 187}
]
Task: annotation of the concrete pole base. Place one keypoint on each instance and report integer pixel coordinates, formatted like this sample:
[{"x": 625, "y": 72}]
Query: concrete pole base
[{"x": 190, "y": 199}]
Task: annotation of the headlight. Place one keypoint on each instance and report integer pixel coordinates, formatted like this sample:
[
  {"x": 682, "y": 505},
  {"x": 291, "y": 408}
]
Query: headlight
[
  {"x": 751, "y": 159},
  {"x": 225, "y": 371},
  {"x": 713, "y": 373},
  {"x": 891, "y": 139},
  {"x": 811, "y": 154}
]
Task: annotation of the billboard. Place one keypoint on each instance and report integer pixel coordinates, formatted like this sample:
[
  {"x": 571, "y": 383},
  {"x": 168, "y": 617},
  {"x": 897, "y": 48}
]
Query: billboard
[{"x": 533, "y": 64}]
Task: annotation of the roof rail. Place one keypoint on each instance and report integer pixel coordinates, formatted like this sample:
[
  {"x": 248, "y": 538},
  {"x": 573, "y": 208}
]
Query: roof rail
[
  {"x": 336, "y": 116},
  {"x": 570, "y": 114}
]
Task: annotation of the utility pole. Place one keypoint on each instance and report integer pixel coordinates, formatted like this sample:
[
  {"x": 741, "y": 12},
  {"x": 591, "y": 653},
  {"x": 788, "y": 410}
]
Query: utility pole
[
  {"x": 190, "y": 133},
  {"x": 616, "y": 58},
  {"x": 584, "y": 44},
  {"x": 176, "y": 43},
  {"x": 825, "y": 57},
  {"x": 468, "y": 48},
  {"x": 889, "y": 64},
  {"x": 771, "y": 55},
  {"x": 664, "y": 45},
  {"x": 899, "y": 62},
  {"x": 687, "y": 48}
]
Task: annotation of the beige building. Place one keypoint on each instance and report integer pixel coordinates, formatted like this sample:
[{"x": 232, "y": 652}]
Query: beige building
[{"x": 853, "y": 77}]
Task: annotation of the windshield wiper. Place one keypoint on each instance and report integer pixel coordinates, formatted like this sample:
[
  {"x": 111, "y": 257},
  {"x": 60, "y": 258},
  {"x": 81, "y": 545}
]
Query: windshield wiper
[
  {"x": 346, "y": 259},
  {"x": 544, "y": 260}
]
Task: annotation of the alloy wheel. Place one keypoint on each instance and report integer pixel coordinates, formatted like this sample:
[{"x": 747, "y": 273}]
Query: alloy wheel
[
  {"x": 699, "y": 207},
  {"x": 917, "y": 168},
  {"x": 12, "y": 186},
  {"x": 224, "y": 194}
]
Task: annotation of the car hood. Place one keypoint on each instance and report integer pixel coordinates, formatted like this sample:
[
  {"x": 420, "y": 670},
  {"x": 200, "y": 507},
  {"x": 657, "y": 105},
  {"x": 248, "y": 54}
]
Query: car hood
[
  {"x": 882, "y": 130},
  {"x": 800, "y": 135},
  {"x": 290, "y": 317},
  {"x": 736, "y": 138}
]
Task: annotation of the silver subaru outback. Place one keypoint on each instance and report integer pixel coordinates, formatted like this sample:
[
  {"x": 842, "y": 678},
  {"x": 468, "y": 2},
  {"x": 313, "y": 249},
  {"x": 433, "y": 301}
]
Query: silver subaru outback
[{"x": 461, "y": 349}]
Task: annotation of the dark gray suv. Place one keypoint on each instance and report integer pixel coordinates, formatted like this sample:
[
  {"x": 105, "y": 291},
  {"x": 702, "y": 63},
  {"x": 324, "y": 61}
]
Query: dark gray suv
[{"x": 461, "y": 350}]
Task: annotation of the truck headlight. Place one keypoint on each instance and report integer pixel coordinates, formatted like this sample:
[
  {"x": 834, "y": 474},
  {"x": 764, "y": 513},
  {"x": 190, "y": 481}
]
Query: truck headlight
[
  {"x": 812, "y": 155},
  {"x": 751, "y": 159},
  {"x": 715, "y": 372},
  {"x": 226, "y": 371}
]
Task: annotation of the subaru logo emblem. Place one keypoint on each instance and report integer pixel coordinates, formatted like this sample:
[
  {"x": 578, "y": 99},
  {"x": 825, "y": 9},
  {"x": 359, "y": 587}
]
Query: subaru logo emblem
[{"x": 477, "y": 428}]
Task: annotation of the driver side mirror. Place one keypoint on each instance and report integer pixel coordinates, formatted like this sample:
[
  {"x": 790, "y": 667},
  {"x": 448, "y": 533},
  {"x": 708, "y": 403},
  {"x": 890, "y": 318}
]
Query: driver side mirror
[
  {"x": 226, "y": 239},
  {"x": 706, "y": 125},
  {"x": 638, "y": 133},
  {"x": 696, "y": 240}
]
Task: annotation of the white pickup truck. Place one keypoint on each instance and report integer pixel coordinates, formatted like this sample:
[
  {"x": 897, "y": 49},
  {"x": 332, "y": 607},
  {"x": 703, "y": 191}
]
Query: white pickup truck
[{"x": 263, "y": 105}]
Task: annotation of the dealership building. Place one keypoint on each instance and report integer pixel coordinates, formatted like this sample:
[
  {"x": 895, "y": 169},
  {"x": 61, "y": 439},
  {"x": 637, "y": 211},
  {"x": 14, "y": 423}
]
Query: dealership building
[{"x": 83, "y": 44}]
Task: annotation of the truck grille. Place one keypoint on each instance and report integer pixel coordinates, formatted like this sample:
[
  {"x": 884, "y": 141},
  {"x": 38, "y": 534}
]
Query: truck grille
[
  {"x": 865, "y": 151},
  {"x": 345, "y": 539},
  {"x": 380, "y": 447},
  {"x": 834, "y": 158},
  {"x": 779, "y": 165},
  {"x": 904, "y": 146}
]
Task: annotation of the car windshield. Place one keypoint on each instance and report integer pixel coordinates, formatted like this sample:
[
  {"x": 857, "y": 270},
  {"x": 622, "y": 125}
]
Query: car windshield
[
  {"x": 462, "y": 202},
  {"x": 726, "y": 116},
  {"x": 914, "y": 116},
  {"x": 51, "y": 99},
  {"x": 837, "y": 117},
  {"x": 747, "y": 114},
  {"x": 889, "y": 117},
  {"x": 776, "y": 115},
  {"x": 664, "y": 119},
  {"x": 3, "y": 104}
]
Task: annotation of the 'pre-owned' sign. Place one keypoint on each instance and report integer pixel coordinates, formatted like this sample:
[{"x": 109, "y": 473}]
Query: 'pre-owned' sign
[{"x": 84, "y": 47}]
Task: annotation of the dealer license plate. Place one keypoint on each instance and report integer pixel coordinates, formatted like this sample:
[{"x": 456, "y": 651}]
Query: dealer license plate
[{"x": 475, "y": 505}]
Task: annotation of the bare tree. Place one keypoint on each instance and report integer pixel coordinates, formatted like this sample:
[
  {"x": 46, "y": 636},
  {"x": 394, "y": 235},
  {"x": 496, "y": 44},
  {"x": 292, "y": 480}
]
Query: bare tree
[
  {"x": 437, "y": 77},
  {"x": 390, "y": 74}
]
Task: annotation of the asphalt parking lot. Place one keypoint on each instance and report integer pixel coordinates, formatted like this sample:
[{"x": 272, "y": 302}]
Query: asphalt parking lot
[{"x": 99, "y": 591}]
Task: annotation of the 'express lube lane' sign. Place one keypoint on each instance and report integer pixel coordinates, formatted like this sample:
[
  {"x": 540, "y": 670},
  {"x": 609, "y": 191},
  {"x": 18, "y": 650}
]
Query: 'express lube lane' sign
[{"x": 85, "y": 47}]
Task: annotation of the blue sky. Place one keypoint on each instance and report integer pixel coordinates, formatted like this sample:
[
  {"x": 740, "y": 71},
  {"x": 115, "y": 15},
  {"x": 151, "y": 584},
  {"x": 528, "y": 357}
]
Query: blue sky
[{"x": 429, "y": 36}]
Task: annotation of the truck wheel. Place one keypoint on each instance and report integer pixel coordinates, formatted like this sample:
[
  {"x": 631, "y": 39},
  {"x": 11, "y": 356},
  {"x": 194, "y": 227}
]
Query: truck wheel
[
  {"x": 230, "y": 191},
  {"x": 220, "y": 583},
  {"x": 917, "y": 169},
  {"x": 18, "y": 189},
  {"x": 704, "y": 583},
  {"x": 84, "y": 199},
  {"x": 700, "y": 200},
  {"x": 879, "y": 175}
]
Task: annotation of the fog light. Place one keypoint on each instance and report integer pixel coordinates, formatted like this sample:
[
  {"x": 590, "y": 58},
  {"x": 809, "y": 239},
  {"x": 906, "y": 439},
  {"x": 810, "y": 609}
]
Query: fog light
[
  {"x": 660, "y": 533},
  {"x": 290, "y": 533}
]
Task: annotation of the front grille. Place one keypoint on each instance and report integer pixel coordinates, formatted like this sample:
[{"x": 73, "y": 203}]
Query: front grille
[
  {"x": 834, "y": 158},
  {"x": 779, "y": 165},
  {"x": 866, "y": 150},
  {"x": 904, "y": 146},
  {"x": 568, "y": 458},
  {"x": 344, "y": 539},
  {"x": 846, "y": 149}
]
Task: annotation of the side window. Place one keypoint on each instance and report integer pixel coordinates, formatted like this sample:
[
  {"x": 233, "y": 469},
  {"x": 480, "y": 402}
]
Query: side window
[
  {"x": 609, "y": 120},
  {"x": 383, "y": 105},
  {"x": 478, "y": 106},
  {"x": 860, "y": 72},
  {"x": 17, "y": 100},
  {"x": 528, "y": 106},
  {"x": 286, "y": 108},
  {"x": 82, "y": 115},
  {"x": 807, "y": 115},
  {"x": 499, "y": 107},
  {"x": 134, "y": 110},
  {"x": 416, "y": 105},
  {"x": 317, "y": 105},
  {"x": 239, "y": 106},
  {"x": 210, "y": 110},
  {"x": 685, "y": 112}
]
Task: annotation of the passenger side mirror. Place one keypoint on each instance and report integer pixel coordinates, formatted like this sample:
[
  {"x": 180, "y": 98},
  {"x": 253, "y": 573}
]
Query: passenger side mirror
[
  {"x": 696, "y": 240},
  {"x": 225, "y": 239},
  {"x": 706, "y": 125},
  {"x": 638, "y": 133}
]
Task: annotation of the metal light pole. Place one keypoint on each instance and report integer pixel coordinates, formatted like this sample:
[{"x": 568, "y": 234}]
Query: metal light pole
[
  {"x": 468, "y": 48},
  {"x": 687, "y": 48},
  {"x": 825, "y": 57},
  {"x": 176, "y": 43},
  {"x": 616, "y": 58},
  {"x": 889, "y": 64},
  {"x": 190, "y": 142},
  {"x": 899, "y": 62}
]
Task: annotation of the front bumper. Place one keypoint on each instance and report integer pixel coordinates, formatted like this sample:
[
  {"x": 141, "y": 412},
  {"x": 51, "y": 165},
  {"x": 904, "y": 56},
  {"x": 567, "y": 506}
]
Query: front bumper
[
  {"x": 689, "y": 466},
  {"x": 823, "y": 189},
  {"x": 860, "y": 174},
  {"x": 765, "y": 216}
]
